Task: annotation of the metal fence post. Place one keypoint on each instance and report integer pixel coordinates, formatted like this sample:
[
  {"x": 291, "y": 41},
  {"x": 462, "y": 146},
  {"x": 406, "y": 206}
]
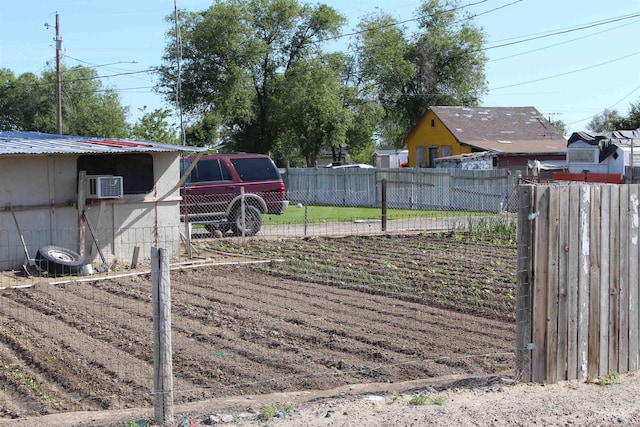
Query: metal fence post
[
  {"x": 243, "y": 217},
  {"x": 384, "y": 204}
]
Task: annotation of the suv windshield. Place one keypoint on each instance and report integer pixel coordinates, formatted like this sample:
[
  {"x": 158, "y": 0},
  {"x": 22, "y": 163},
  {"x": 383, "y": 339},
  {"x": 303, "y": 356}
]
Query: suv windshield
[{"x": 256, "y": 169}]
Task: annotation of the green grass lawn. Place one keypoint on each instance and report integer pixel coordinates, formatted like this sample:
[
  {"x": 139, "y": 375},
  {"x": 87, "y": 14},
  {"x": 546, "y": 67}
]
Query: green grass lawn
[{"x": 315, "y": 214}]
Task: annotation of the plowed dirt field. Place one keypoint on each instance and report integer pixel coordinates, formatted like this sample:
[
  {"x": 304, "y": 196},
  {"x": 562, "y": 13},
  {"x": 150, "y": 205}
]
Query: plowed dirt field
[{"x": 328, "y": 312}]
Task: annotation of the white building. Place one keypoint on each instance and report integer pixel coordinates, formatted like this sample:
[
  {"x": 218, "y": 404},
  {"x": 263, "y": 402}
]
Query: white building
[
  {"x": 391, "y": 158},
  {"x": 603, "y": 153}
]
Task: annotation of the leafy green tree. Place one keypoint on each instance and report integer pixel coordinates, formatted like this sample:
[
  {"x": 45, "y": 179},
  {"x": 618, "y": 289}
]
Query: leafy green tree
[
  {"x": 204, "y": 132},
  {"x": 88, "y": 108},
  {"x": 606, "y": 121},
  {"x": 560, "y": 126},
  {"x": 311, "y": 110},
  {"x": 25, "y": 103},
  {"x": 631, "y": 121},
  {"x": 29, "y": 104},
  {"x": 154, "y": 126},
  {"x": 235, "y": 55},
  {"x": 442, "y": 64}
]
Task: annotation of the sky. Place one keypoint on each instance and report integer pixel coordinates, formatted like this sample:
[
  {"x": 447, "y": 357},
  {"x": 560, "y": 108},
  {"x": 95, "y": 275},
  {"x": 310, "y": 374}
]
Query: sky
[{"x": 570, "y": 59}]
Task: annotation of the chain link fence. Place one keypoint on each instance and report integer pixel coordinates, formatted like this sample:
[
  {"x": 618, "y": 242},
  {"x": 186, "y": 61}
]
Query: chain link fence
[{"x": 331, "y": 290}]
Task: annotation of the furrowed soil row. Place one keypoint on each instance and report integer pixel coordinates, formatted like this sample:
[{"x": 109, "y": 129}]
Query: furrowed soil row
[
  {"x": 292, "y": 298},
  {"x": 444, "y": 277},
  {"x": 336, "y": 311},
  {"x": 366, "y": 333}
]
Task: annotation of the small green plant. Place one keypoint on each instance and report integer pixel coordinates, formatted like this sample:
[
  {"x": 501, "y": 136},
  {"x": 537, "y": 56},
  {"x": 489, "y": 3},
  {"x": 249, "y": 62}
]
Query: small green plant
[
  {"x": 438, "y": 400},
  {"x": 611, "y": 379},
  {"x": 394, "y": 398},
  {"x": 268, "y": 412},
  {"x": 289, "y": 407},
  {"x": 28, "y": 381},
  {"x": 423, "y": 399}
]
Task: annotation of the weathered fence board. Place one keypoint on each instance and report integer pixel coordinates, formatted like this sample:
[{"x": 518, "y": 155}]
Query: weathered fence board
[
  {"x": 540, "y": 243},
  {"x": 634, "y": 320},
  {"x": 605, "y": 292},
  {"x": 563, "y": 256},
  {"x": 594, "y": 284},
  {"x": 614, "y": 281},
  {"x": 582, "y": 284},
  {"x": 572, "y": 283},
  {"x": 583, "y": 281},
  {"x": 623, "y": 262},
  {"x": 552, "y": 288}
]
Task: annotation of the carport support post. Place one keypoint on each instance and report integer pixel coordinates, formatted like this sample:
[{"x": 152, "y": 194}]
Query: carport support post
[{"x": 162, "y": 363}]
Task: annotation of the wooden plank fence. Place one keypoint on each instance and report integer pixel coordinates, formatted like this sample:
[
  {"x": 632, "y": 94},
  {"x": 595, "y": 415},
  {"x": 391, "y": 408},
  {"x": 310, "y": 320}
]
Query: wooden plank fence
[
  {"x": 409, "y": 188},
  {"x": 577, "y": 310}
]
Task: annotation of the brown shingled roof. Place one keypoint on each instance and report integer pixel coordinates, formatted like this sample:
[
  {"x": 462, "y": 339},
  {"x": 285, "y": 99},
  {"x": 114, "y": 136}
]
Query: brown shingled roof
[{"x": 502, "y": 129}]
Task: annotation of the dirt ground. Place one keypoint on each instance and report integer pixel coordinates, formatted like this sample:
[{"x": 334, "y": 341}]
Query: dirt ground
[{"x": 335, "y": 332}]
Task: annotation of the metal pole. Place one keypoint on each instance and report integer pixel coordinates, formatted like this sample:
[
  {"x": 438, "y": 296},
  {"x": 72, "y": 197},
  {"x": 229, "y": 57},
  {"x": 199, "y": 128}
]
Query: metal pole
[
  {"x": 58, "y": 80},
  {"x": 384, "y": 205}
]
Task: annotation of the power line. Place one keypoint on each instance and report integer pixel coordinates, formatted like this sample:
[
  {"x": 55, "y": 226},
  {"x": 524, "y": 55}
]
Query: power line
[
  {"x": 564, "y": 42},
  {"x": 394, "y": 24},
  {"x": 609, "y": 108},
  {"x": 568, "y": 72},
  {"x": 565, "y": 31}
]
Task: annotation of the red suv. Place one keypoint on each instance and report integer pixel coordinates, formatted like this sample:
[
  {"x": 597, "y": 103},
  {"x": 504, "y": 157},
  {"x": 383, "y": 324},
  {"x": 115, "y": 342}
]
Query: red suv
[{"x": 212, "y": 194}]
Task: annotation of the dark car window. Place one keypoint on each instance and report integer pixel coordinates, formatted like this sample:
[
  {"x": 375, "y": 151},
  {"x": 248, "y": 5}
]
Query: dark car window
[
  {"x": 212, "y": 170},
  {"x": 256, "y": 169},
  {"x": 207, "y": 171}
]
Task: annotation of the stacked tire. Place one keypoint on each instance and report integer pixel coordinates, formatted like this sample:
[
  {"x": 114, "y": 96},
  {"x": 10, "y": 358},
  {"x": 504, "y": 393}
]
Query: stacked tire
[{"x": 59, "y": 261}]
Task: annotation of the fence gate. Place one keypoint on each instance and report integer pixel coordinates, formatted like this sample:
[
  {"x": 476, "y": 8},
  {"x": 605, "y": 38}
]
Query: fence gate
[{"x": 577, "y": 297}]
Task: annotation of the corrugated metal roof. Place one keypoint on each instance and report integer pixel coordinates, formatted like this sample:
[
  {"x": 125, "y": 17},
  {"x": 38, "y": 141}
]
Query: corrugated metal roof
[{"x": 36, "y": 143}]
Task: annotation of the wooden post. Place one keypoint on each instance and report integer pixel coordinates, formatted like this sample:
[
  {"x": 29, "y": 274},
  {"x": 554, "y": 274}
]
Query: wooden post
[
  {"x": 162, "y": 362},
  {"x": 134, "y": 258},
  {"x": 187, "y": 224},
  {"x": 540, "y": 280},
  {"x": 306, "y": 219},
  {"x": 384, "y": 204}
]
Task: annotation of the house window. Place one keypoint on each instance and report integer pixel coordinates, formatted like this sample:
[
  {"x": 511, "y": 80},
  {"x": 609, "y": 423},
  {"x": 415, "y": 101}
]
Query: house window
[
  {"x": 446, "y": 150},
  {"x": 433, "y": 123},
  {"x": 136, "y": 169}
]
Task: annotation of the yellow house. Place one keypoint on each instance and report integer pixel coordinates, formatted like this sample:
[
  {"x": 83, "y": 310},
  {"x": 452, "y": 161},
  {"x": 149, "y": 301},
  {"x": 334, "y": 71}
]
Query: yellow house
[{"x": 512, "y": 134}]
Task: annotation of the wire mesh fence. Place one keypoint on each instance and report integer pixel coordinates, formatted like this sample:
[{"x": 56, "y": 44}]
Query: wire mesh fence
[{"x": 384, "y": 293}]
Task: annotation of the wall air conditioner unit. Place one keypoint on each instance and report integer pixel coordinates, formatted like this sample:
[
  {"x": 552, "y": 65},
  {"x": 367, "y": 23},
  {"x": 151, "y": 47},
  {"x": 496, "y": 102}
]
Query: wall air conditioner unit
[{"x": 104, "y": 187}]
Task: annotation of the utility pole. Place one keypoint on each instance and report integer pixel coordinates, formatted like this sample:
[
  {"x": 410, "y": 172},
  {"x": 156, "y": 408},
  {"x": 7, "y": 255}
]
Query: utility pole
[
  {"x": 179, "y": 77},
  {"x": 58, "y": 40}
]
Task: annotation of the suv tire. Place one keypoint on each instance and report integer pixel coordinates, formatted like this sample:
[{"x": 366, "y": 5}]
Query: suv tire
[{"x": 253, "y": 221}]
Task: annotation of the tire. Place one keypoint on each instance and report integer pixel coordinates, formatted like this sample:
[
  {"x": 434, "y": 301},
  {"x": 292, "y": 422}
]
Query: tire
[
  {"x": 59, "y": 261},
  {"x": 253, "y": 221},
  {"x": 210, "y": 228}
]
